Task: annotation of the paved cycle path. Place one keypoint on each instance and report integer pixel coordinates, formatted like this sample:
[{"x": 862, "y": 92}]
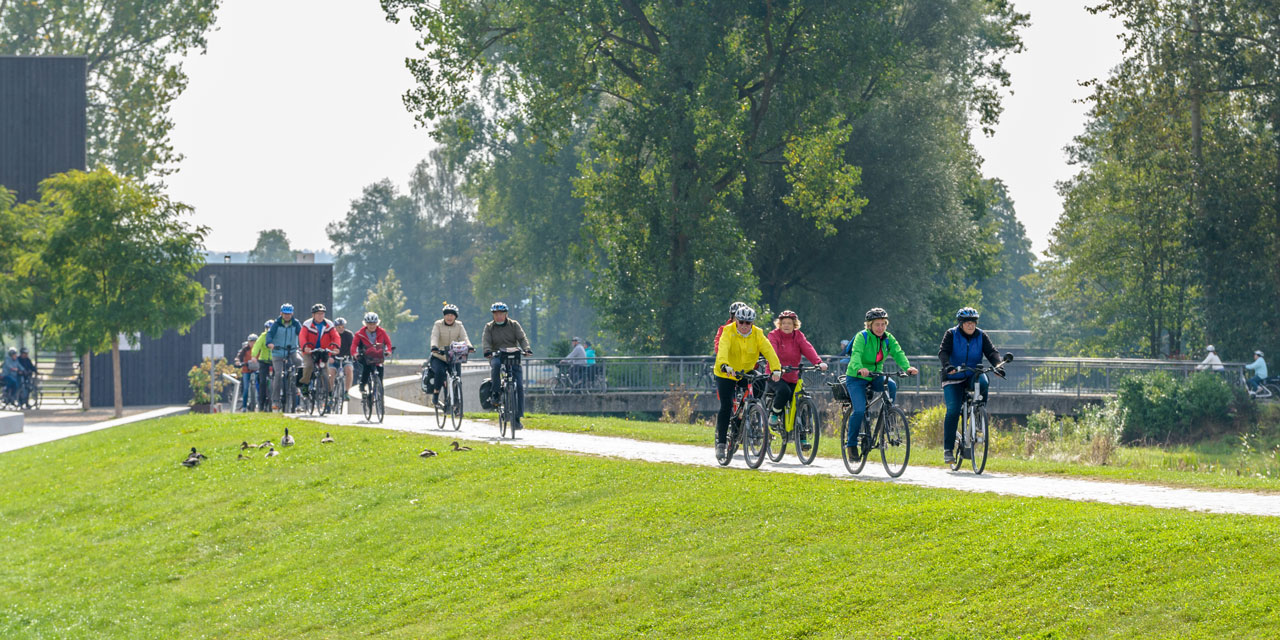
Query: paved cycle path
[{"x": 1015, "y": 485}]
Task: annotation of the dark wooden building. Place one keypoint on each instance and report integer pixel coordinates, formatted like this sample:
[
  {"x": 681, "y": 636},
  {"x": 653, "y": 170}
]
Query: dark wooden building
[
  {"x": 155, "y": 372},
  {"x": 42, "y": 120}
]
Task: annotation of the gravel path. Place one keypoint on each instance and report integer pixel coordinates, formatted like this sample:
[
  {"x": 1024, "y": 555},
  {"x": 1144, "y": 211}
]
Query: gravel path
[{"x": 1006, "y": 484}]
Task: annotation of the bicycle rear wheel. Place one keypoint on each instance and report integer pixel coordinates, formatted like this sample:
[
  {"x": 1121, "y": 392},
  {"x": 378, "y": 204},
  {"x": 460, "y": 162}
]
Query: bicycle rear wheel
[
  {"x": 732, "y": 436},
  {"x": 852, "y": 462},
  {"x": 502, "y": 416},
  {"x": 808, "y": 430},
  {"x": 322, "y": 400},
  {"x": 895, "y": 440},
  {"x": 981, "y": 431},
  {"x": 777, "y": 441},
  {"x": 755, "y": 435},
  {"x": 380, "y": 405},
  {"x": 456, "y": 400}
]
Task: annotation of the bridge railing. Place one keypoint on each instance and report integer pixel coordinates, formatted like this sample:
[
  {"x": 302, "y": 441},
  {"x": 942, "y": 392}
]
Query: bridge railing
[{"x": 1028, "y": 375}]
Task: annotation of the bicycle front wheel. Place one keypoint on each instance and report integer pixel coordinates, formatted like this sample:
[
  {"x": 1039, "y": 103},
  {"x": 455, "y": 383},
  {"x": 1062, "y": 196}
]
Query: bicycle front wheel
[
  {"x": 366, "y": 402},
  {"x": 755, "y": 436},
  {"x": 456, "y": 400},
  {"x": 380, "y": 405},
  {"x": 895, "y": 440},
  {"x": 808, "y": 431},
  {"x": 322, "y": 400},
  {"x": 981, "y": 436},
  {"x": 509, "y": 401}
]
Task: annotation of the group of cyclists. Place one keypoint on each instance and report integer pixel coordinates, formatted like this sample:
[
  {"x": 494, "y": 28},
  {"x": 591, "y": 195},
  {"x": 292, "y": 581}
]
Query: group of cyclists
[
  {"x": 19, "y": 377},
  {"x": 740, "y": 345},
  {"x": 289, "y": 344}
]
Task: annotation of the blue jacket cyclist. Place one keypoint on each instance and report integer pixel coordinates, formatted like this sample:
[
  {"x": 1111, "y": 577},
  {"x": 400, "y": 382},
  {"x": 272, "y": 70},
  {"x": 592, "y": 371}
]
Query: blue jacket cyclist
[
  {"x": 963, "y": 345},
  {"x": 282, "y": 339},
  {"x": 868, "y": 352}
]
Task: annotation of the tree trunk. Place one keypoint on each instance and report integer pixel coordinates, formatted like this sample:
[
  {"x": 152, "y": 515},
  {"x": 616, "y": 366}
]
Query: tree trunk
[
  {"x": 118, "y": 398},
  {"x": 84, "y": 382}
]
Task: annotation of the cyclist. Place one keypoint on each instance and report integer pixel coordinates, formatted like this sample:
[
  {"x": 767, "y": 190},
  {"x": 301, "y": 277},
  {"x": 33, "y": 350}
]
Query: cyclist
[
  {"x": 243, "y": 359},
  {"x": 733, "y": 308},
  {"x": 790, "y": 345},
  {"x": 446, "y": 331},
  {"x": 963, "y": 345},
  {"x": 1259, "y": 369},
  {"x": 345, "y": 338},
  {"x": 262, "y": 354},
  {"x": 282, "y": 340},
  {"x": 868, "y": 352},
  {"x": 576, "y": 360},
  {"x": 12, "y": 376},
  {"x": 1211, "y": 361},
  {"x": 29, "y": 375},
  {"x": 317, "y": 337},
  {"x": 504, "y": 333},
  {"x": 372, "y": 344},
  {"x": 738, "y": 351}
]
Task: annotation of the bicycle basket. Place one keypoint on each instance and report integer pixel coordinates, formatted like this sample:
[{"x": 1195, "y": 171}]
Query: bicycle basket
[
  {"x": 839, "y": 392},
  {"x": 374, "y": 355},
  {"x": 459, "y": 351}
]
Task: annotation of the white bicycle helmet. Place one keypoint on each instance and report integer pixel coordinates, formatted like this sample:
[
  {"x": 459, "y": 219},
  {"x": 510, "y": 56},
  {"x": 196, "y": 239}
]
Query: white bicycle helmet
[
  {"x": 745, "y": 314},
  {"x": 371, "y": 317}
]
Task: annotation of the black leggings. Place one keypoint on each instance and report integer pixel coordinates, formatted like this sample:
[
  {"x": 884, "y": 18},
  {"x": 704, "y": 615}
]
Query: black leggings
[
  {"x": 782, "y": 392},
  {"x": 725, "y": 388}
]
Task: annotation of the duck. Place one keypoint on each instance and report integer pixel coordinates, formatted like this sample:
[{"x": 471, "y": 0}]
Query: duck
[
  {"x": 427, "y": 453},
  {"x": 327, "y": 438},
  {"x": 245, "y": 445},
  {"x": 193, "y": 458},
  {"x": 265, "y": 444},
  {"x": 287, "y": 440},
  {"x": 242, "y": 457},
  {"x": 457, "y": 447},
  {"x": 272, "y": 453}
]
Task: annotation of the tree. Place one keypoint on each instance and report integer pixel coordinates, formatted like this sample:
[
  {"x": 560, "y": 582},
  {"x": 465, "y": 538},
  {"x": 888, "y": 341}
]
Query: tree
[
  {"x": 692, "y": 98},
  {"x": 134, "y": 51},
  {"x": 120, "y": 262},
  {"x": 272, "y": 246},
  {"x": 387, "y": 300}
]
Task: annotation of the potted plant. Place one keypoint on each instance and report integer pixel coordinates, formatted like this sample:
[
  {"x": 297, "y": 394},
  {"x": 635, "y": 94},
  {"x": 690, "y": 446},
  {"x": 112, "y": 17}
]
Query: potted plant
[{"x": 198, "y": 378}]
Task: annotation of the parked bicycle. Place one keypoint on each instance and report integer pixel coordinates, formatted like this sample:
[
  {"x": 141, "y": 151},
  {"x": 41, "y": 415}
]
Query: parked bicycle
[
  {"x": 748, "y": 424},
  {"x": 452, "y": 389},
  {"x": 799, "y": 424},
  {"x": 508, "y": 393},
  {"x": 973, "y": 438},
  {"x": 884, "y": 426}
]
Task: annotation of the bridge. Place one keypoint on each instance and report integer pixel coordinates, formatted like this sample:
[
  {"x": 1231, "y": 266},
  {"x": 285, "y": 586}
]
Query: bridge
[{"x": 641, "y": 384}]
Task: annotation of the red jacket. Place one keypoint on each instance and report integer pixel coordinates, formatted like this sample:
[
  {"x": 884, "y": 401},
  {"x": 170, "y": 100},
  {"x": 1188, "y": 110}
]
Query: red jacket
[
  {"x": 790, "y": 348},
  {"x": 326, "y": 333},
  {"x": 718, "y": 332},
  {"x": 363, "y": 342}
]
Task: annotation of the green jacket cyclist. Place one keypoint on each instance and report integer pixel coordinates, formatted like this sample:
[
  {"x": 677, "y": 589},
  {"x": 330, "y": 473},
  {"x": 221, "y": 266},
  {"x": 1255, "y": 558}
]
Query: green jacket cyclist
[{"x": 868, "y": 352}]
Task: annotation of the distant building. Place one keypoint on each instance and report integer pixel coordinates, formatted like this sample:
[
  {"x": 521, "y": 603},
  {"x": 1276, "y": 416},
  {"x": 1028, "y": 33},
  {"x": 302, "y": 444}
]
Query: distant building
[
  {"x": 155, "y": 372},
  {"x": 42, "y": 120}
]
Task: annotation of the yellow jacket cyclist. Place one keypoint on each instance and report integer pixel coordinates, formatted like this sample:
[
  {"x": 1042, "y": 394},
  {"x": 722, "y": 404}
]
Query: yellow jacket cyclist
[{"x": 739, "y": 350}]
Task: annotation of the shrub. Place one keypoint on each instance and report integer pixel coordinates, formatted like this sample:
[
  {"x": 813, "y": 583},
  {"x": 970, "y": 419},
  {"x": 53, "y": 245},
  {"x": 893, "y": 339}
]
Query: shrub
[
  {"x": 198, "y": 378},
  {"x": 1158, "y": 407},
  {"x": 677, "y": 406},
  {"x": 926, "y": 426}
]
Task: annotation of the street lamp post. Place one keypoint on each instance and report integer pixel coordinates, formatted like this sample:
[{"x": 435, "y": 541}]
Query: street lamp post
[{"x": 212, "y": 301}]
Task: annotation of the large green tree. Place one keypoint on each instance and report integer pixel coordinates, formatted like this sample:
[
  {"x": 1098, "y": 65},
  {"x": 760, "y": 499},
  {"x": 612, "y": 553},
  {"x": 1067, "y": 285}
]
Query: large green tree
[
  {"x": 272, "y": 246},
  {"x": 134, "y": 51},
  {"x": 688, "y": 101},
  {"x": 120, "y": 262}
]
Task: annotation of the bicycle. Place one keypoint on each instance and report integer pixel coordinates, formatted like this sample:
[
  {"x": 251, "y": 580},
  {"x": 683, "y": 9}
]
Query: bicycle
[
  {"x": 1268, "y": 389},
  {"x": 799, "y": 422},
  {"x": 288, "y": 385},
  {"x": 508, "y": 394},
  {"x": 31, "y": 391},
  {"x": 318, "y": 394},
  {"x": 974, "y": 432},
  {"x": 373, "y": 399},
  {"x": 338, "y": 396},
  {"x": 891, "y": 433},
  {"x": 748, "y": 424},
  {"x": 452, "y": 388}
]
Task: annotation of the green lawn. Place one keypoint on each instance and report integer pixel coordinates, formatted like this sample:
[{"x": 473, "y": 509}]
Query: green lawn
[
  {"x": 1209, "y": 465},
  {"x": 105, "y": 535}
]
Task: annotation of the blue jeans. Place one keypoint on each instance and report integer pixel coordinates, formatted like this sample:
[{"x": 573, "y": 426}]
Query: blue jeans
[
  {"x": 858, "y": 396},
  {"x": 517, "y": 371},
  {"x": 246, "y": 379},
  {"x": 953, "y": 394},
  {"x": 1254, "y": 382}
]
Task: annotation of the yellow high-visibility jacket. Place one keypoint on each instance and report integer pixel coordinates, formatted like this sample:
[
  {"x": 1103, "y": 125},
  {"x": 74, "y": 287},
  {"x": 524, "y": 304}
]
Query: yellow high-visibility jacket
[{"x": 741, "y": 352}]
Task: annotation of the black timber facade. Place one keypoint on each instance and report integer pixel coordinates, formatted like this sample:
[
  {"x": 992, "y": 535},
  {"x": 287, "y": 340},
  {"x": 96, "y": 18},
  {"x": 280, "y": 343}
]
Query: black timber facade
[
  {"x": 42, "y": 120},
  {"x": 156, "y": 372}
]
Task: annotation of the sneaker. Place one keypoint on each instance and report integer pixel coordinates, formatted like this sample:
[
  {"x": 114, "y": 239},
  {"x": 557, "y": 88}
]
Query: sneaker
[
  {"x": 518, "y": 426},
  {"x": 948, "y": 457},
  {"x": 435, "y": 401},
  {"x": 773, "y": 419},
  {"x": 720, "y": 449},
  {"x": 804, "y": 445}
]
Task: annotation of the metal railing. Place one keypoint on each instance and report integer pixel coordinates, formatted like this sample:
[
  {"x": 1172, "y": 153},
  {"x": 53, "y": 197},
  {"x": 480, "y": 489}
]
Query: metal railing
[{"x": 1029, "y": 375}]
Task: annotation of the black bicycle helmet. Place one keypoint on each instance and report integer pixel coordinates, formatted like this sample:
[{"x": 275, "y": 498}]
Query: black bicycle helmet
[
  {"x": 317, "y": 307},
  {"x": 967, "y": 313},
  {"x": 876, "y": 313}
]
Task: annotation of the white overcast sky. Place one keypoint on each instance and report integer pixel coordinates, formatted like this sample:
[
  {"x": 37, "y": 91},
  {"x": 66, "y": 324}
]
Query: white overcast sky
[{"x": 296, "y": 107}]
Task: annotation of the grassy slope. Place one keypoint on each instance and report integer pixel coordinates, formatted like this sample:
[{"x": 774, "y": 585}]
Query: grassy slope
[
  {"x": 105, "y": 535},
  {"x": 1133, "y": 464}
]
